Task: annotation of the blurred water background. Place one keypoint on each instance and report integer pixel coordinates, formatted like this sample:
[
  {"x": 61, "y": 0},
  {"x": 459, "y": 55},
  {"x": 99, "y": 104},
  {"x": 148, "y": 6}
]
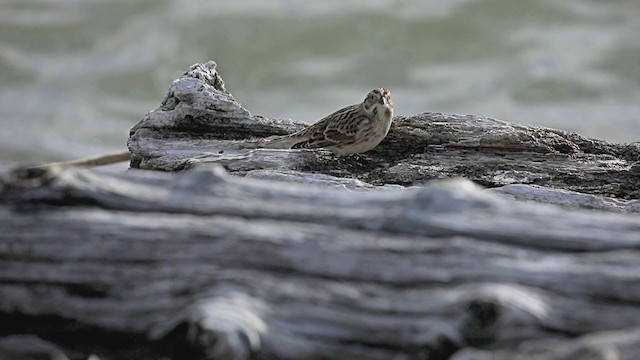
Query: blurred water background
[{"x": 75, "y": 75}]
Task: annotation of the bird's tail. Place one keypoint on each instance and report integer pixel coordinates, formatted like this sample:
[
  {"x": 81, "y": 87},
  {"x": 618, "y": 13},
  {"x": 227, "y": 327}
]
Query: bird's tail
[{"x": 281, "y": 142}]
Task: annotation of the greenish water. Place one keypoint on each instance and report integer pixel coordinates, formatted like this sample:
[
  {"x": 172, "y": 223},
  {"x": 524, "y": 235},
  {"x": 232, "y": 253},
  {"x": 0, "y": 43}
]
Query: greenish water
[{"x": 76, "y": 75}]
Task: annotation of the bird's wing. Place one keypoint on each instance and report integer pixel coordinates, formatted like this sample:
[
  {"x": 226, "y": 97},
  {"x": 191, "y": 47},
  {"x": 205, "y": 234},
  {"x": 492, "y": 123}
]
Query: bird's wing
[
  {"x": 340, "y": 127},
  {"x": 323, "y": 140}
]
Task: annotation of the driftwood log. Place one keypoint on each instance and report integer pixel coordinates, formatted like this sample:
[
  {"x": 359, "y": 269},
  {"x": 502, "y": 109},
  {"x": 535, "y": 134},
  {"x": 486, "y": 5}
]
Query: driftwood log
[
  {"x": 200, "y": 122},
  {"x": 301, "y": 255}
]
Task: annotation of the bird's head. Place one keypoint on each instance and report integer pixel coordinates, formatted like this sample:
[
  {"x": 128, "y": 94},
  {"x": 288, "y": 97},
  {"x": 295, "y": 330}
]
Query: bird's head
[{"x": 378, "y": 102}]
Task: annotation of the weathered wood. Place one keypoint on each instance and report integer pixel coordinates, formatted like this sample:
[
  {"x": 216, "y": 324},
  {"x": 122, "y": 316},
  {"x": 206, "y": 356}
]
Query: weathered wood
[
  {"x": 201, "y": 264},
  {"x": 324, "y": 263},
  {"x": 200, "y": 122},
  {"x": 604, "y": 345},
  {"x": 570, "y": 199},
  {"x": 24, "y": 347},
  {"x": 92, "y": 161}
]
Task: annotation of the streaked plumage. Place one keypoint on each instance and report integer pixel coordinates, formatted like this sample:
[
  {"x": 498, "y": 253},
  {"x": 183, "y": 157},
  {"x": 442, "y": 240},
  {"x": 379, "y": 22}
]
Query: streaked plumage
[{"x": 351, "y": 130}]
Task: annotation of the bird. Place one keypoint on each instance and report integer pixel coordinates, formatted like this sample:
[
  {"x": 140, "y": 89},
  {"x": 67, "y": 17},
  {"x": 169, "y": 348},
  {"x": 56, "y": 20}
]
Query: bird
[{"x": 351, "y": 130}]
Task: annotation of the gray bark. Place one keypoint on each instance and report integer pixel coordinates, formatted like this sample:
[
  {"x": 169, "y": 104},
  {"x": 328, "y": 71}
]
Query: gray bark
[{"x": 305, "y": 256}]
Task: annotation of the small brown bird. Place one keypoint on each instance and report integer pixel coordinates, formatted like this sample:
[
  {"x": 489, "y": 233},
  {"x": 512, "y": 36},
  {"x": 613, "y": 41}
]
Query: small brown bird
[{"x": 351, "y": 130}]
